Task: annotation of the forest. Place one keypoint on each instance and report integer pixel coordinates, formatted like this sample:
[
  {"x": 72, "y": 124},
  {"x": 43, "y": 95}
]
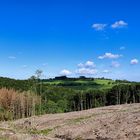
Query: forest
[{"x": 36, "y": 96}]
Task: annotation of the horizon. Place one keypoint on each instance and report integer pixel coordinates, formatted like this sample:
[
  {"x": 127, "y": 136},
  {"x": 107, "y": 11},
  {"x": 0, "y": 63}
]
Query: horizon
[
  {"x": 70, "y": 77},
  {"x": 73, "y": 38}
]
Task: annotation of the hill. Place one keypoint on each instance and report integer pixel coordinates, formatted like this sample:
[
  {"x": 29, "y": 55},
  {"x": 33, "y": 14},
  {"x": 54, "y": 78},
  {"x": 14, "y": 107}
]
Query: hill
[
  {"x": 81, "y": 83},
  {"x": 104, "y": 123},
  {"x": 34, "y": 96}
]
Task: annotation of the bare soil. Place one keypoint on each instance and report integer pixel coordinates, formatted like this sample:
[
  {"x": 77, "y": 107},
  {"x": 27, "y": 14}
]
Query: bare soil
[{"x": 120, "y": 122}]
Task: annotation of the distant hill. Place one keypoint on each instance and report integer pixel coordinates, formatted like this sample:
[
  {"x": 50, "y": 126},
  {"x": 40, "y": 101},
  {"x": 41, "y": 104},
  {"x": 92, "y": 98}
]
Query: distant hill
[
  {"x": 62, "y": 94},
  {"x": 81, "y": 83}
]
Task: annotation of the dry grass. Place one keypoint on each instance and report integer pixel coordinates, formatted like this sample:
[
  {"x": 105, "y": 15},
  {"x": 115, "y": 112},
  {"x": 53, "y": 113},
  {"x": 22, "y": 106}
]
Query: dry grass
[{"x": 121, "y": 122}]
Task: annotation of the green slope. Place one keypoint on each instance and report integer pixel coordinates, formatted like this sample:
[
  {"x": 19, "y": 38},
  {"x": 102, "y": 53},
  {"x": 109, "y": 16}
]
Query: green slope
[{"x": 81, "y": 84}]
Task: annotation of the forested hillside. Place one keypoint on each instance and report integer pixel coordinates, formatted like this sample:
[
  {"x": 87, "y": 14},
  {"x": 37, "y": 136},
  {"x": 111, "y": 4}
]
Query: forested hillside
[{"x": 35, "y": 96}]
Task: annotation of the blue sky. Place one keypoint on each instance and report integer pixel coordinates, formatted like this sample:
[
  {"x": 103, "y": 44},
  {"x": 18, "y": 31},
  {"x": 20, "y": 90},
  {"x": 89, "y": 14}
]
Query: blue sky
[{"x": 70, "y": 37}]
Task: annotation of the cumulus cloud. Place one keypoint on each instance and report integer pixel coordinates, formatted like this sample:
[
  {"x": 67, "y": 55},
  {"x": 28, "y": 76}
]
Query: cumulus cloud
[
  {"x": 99, "y": 26},
  {"x": 86, "y": 71},
  {"x": 87, "y": 68},
  {"x": 134, "y": 61},
  {"x": 115, "y": 64},
  {"x": 12, "y": 57},
  {"x": 65, "y": 72},
  {"x": 88, "y": 64},
  {"x": 109, "y": 56},
  {"x": 119, "y": 24},
  {"x": 81, "y": 65}
]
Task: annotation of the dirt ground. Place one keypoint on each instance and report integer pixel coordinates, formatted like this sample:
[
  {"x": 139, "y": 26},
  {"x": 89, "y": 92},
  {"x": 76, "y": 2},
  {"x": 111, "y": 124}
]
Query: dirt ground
[{"x": 121, "y": 122}]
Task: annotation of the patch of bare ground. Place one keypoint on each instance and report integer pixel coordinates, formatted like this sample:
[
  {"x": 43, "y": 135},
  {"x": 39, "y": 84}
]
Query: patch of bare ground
[{"x": 121, "y": 122}]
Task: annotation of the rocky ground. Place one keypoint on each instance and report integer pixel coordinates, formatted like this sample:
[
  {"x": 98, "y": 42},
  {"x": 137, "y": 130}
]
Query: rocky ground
[{"x": 121, "y": 122}]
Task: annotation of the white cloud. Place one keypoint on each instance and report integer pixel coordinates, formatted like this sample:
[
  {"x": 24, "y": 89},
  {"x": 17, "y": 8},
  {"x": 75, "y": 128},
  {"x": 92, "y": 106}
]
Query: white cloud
[
  {"x": 81, "y": 65},
  {"x": 87, "y": 68},
  {"x": 99, "y": 26},
  {"x": 115, "y": 64},
  {"x": 12, "y": 57},
  {"x": 88, "y": 64},
  {"x": 109, "y": 56},
  {"x": 86, "y": 71},
  {"x": 134, "y": 61},
  {"x": 65, "y": 72},
  {"x": 119, "y": 24}
]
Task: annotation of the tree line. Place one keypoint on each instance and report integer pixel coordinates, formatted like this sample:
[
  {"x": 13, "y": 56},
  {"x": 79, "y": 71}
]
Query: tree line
[{"x": 25, "y": 98}]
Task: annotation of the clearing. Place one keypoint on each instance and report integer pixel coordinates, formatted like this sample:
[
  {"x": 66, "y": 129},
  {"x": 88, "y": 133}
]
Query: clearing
[{"x": 120, "y": 122}]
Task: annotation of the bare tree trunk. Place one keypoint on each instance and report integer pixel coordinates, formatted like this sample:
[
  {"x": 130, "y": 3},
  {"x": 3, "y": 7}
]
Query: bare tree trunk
[{"x": 81, "y": 100}]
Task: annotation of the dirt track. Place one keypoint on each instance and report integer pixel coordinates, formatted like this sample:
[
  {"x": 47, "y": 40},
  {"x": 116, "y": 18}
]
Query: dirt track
[{"x": 120, "y": 122}]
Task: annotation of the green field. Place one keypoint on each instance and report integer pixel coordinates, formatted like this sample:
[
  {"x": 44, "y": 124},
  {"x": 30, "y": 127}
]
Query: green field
[{"x": 80, "y": 84}]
